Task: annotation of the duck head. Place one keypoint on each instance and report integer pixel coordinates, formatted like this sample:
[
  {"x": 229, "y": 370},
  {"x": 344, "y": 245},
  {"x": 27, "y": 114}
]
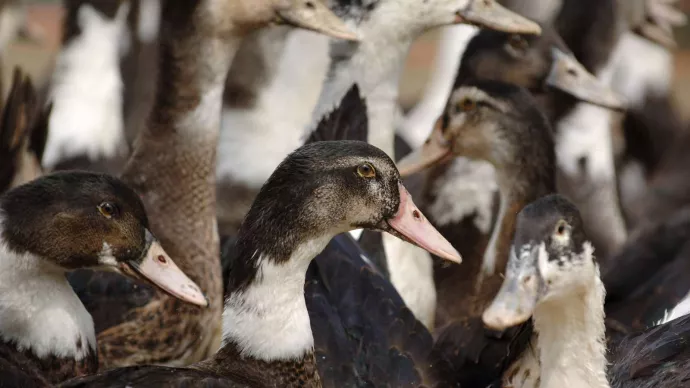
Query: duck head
[
  {"x": 550, "y": 258},
  {"x": 538, "y": 63},
  {"x": 77, "y": 220},
  {"x": 331, "y": 187},
  {"x": 308, "y": 14},
  {"x": 484, "y": 120}
]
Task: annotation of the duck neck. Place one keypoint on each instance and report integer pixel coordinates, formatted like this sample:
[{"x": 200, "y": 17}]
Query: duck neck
[
  {"x": 41, "y": 315},
  {"x": 173, "y": 164},
  {"x": 518, "y": 185},
  {"x": 571, "y": 337},
  {"x": 265, "y": 316}
]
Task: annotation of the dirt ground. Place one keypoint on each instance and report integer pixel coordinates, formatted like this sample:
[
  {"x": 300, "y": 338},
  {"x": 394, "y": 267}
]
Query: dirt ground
[{"x": 37, "y": 58}]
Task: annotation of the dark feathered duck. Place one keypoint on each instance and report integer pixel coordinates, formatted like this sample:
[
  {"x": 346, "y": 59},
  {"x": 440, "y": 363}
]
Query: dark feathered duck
[
  {"x": 53, "y": 225},
  {"x": 319, "y": 191},
  {"x": 502, "y": 124},
  {"x": 172, "y": 167},
  {"x": 553, "y": 278}
]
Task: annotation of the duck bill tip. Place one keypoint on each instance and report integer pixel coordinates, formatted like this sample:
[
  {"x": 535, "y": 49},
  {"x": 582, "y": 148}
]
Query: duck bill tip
[
  {"x": 320, "y": 19},
  {"x": 490, "y": 14},
  {"x": 411, "y": 224},
  {"x": 160, "y": 270}
]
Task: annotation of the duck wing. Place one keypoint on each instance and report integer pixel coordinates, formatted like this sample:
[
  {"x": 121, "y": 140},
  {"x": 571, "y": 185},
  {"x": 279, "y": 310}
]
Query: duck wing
[
  {"x": 364, "y": 335},
  {"x": 647, "y": 278},
  {"x": 152, "y": 376},
  {"x": 659, "y": 356}
]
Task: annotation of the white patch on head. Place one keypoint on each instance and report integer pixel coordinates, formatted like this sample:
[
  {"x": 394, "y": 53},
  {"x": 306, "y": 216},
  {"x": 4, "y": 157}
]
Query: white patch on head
[
  {"x": 39, "y": 310},
  {"x": 105, "y": 257},
  {"x": 418, "y": 124},
  {"x": 269, "y": 319},
  {"x": 253, "y": 141},
  {"x": 466, "y": 188},
  {"x": 412, "y": 275},
  {"x": 641, "y": 68},
  {"x": 569, "y": 325},
  {"x": 86, "y": 90},
  {"x": 149, "y": 20},
  {"x": 477, "y": 95}
]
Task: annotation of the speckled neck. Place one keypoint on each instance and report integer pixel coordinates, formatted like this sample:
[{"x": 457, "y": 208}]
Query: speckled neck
[{"x": 173, "y": 163}]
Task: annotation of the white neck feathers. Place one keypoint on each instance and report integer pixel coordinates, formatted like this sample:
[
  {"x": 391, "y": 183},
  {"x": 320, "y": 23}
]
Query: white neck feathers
[
  {"x": 86, "y": 90},
  {"x": 39, "y": 310},
  {"x": 571, "y": 336},
  {"x": 269, "y": 319}
]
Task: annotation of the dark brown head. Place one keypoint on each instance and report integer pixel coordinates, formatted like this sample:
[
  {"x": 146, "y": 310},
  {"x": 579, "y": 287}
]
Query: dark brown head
[
  {"x": 542, "y": 64},
  {"x": 87, "y": 220},
  {"x": 497, "y": 122},
  {"x": 326, "y": 188}
]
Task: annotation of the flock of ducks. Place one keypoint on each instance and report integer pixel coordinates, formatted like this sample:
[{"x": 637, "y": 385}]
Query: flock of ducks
[{"x": 250, "y": 136}]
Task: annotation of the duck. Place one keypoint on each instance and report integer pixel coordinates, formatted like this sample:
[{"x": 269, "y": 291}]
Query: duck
[
  {"x": 502, "y": 124},
  {"x": 22, "y": 135},
  {"x": 58, "y": 223},
  {"x": 333, "y": 68},
  {"x": 541, "y": 64},
  {"x": 554, "y": 279},
  {"x": 320, "y": 190},
  {"x": 86, "y": 126},
  {"x": 172, "y": 168}
]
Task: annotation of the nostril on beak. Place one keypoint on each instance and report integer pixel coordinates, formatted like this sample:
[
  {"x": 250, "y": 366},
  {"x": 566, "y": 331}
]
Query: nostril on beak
[
  {"x": 162, "y": 259},
  {"x": 416, "y": 214}
]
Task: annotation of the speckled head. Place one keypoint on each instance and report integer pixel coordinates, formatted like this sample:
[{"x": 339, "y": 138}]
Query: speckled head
[
  {"x": 81, "y": 220},
  {"x": 550, "y": 258},
  {"x": 487, "y": 120},
  {"x": 331, "y": 187}
]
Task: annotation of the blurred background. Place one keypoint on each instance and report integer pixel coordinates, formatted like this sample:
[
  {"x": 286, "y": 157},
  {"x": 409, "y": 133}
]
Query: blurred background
[{"x": 46, "y": 15}]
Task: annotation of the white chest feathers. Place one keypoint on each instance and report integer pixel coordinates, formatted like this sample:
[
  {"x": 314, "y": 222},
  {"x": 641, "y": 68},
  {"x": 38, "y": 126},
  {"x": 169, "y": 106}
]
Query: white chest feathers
[
  {"x": 466, "y": 188},
  {"x": 40, "y": 311},
  {"x": 86, "y": 90}
]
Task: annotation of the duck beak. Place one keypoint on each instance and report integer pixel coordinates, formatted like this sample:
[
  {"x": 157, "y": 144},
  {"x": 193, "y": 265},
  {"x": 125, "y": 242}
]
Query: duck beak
[
  {"x": 435, "y": 149},
  {"x": 158, "y": 268},
  {"x": 657, "y": 35},
  {"x": 516, "y": 300},
  {"x": 569, "y": 76},
  {"x": 411, "y": 226},
  {"x": 489, "y": 14},
  {"x": 318, "y": 17}
]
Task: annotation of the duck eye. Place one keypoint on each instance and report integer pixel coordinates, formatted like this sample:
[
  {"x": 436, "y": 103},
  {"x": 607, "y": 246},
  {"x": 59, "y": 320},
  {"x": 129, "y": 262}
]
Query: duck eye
[
  {"x": 517, "y": 43},
  {"x": 108, "y": 209},
  {"x": 561, "y": 228},
  {"x": 466, "y": 105},
  {"x": 366, "y": 170}
]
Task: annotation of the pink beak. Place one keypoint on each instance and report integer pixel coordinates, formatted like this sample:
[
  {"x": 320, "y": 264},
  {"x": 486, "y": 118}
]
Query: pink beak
[{"x": 411, "y": 224}]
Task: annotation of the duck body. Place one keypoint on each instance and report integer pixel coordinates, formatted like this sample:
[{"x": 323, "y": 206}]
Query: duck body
[
  {"x": 86, "y": 123},
  {"x": 181, "y": 139},
  {"x": 568, "y": 313}
]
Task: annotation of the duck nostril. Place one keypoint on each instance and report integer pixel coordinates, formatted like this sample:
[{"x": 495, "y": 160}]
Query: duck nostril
[
  {"x": 572, "y": 72},
  {"x": 416, "y": 214},
  {"x": 162, "y": 259},
  {"x": 310, "y": 5}
]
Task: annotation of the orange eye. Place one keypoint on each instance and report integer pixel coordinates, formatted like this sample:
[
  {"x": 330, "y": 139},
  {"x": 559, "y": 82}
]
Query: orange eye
[
  {"x": 466, "y": 105},
  {"x": 366, "y": 170},
  {"x": 107, "y": 209}
]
